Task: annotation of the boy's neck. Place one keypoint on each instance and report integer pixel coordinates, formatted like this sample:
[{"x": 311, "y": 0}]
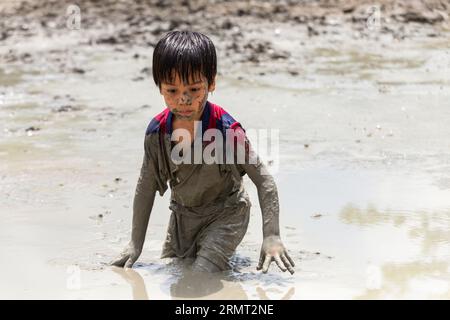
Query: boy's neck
[{"x": 185, "y": 121}]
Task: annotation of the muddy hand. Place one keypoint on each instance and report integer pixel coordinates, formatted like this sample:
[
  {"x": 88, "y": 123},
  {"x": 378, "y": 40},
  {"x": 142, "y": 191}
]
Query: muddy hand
[
  {"x": 127, "y": 258},
  {"x": 273, "y": 249}
]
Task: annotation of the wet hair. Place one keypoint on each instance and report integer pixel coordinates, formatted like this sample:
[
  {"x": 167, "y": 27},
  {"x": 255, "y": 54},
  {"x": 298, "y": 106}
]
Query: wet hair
[{"x": 185, "y": 53}]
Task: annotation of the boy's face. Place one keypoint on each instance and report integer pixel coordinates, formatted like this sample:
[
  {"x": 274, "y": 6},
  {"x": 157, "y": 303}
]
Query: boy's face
[{"x": 187, "y": 100}]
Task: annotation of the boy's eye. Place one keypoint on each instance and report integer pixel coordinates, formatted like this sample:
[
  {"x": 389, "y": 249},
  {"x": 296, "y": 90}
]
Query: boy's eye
[{"x": 172, "y": 91}]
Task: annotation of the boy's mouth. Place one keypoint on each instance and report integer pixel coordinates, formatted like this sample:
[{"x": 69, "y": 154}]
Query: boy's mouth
[{"x": 185, "y": 113}]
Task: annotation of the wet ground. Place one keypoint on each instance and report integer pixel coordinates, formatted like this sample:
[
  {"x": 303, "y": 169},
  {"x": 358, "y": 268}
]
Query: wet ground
[{"x": 363, "y": 176}]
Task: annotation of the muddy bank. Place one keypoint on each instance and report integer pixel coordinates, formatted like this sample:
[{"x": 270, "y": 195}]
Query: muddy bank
[{"x": 234, "y": 25}]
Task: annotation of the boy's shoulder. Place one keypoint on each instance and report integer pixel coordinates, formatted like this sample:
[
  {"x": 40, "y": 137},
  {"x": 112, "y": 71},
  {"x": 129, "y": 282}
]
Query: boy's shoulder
[
  {"x": 221, "y": 119},
  {"x": 158, "y": 122},
  {"x": 214, "y": 116}
]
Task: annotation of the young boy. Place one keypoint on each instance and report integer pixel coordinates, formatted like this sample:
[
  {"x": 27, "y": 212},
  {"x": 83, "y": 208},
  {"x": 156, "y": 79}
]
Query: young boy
[{"x": 210, "y": 208}]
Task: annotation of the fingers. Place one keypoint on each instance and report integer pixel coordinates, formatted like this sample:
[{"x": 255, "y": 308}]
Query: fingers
[
  {"x": 289, "y": 258},
  {"x": 261, "y": 260},
  {"x": 266, "y": 263},
  {"x": 120, "y": 262},
  {"x": 130, "y": 262},
  {"x": 287, "y": 263},
  {"x": 280, "y": 263}
]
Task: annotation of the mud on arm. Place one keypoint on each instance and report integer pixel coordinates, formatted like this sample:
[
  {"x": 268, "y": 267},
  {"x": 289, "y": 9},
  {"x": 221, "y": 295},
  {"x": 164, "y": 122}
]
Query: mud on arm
[
  {"x": 142, "y": 206},
  {"x": 272, "y": 248}
]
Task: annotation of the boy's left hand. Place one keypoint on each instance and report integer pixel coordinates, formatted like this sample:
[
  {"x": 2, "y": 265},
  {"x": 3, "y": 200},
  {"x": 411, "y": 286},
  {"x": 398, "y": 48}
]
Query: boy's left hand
[{"x": 273, "y": 249}]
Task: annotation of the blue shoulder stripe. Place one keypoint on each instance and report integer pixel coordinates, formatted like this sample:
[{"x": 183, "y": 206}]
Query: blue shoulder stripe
[
  {"x": 226, "y": 121},
  {"x": 153, "y": 126}
]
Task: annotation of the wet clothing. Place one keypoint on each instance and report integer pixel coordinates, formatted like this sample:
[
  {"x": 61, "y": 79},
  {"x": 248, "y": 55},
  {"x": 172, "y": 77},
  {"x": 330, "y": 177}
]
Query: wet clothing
[
  {"x": 212, "y": 232},
  {"x": 210, "y": 208}
]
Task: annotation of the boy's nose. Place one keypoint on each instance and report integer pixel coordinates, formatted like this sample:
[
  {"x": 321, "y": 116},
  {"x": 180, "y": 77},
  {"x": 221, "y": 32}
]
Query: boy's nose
[{"x": 185, "y": 99}]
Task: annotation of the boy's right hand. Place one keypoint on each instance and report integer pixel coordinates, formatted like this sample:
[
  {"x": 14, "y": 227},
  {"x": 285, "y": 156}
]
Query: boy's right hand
[{"x": 127, "y": 258}]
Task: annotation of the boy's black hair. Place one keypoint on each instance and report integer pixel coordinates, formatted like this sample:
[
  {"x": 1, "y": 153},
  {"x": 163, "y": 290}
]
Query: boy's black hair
[{"x": 185, "y": 52}]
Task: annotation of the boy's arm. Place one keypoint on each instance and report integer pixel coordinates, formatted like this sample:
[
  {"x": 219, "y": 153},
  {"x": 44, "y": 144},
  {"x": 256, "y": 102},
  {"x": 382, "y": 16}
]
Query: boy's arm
[
  {"x": 272, "y": 248},
  {"x": 142, "y": 206}
]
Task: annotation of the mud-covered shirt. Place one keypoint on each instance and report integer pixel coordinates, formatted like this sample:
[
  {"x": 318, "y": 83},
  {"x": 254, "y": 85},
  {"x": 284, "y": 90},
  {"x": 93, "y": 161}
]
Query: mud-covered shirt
[{"x": 199, "y": 185}]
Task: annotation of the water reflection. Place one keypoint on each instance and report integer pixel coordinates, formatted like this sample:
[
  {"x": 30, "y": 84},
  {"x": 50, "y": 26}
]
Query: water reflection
[
  {"x": 432, "y": 229},
  {"x": 263, "y": 296},
  {"x": 421, "y": 274},
  {"x": 189, "y": 285},
  {"x": 135, "y": 280},
  {"x": 415, "y": 279}
]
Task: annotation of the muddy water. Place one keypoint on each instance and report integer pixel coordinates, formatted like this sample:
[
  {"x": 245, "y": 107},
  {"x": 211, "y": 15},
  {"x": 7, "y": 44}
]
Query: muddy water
[{"x": 363, "y": 179}]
